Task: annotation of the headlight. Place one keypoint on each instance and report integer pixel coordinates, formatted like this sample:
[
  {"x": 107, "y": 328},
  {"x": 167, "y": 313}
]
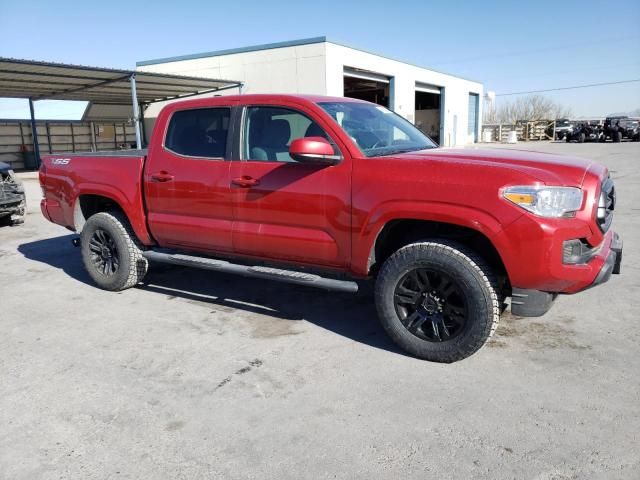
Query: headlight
[{"x": 544, "y": 201}]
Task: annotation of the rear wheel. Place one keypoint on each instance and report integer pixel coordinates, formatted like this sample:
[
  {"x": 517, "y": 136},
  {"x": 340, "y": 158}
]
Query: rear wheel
[
  {"x": 437, "y": 300},
  {"x": 111, "y": 253}
]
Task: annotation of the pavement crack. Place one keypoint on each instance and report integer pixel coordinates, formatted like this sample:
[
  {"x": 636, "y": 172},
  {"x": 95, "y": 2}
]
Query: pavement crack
[{"x": 252, "y": 364}]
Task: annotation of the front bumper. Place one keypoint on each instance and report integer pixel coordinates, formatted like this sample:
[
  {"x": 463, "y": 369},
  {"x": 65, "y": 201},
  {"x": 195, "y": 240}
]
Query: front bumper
[{"x": 534, "y": 303}]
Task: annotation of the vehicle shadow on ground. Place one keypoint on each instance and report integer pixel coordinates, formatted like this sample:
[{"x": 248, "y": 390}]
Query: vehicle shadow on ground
[
  {"x": 349, "y": 315},
  {"x": 57, "y": 252}
]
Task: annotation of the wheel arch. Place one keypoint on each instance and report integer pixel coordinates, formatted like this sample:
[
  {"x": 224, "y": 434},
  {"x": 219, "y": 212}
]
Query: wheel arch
[
  {"x": 400, "y": 232},
  {"x": 92, "y": 199}
]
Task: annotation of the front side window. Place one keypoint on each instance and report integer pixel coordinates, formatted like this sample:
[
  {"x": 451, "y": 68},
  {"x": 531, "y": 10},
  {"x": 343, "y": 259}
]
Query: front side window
[
  {"x": 269, "y": 131},
  {"x": 376, "y": 130},
  {"x": 199, "y": 132}
]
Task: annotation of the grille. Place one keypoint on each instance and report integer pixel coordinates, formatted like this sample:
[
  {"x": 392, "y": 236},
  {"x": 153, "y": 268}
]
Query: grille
[
  {"x": 9, "y": 188},
  {"x": 606, "y": 204}
]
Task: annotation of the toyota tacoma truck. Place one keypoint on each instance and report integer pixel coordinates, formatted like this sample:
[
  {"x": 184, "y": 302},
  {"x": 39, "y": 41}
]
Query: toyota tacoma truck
[{"x": 334, "y": 192}]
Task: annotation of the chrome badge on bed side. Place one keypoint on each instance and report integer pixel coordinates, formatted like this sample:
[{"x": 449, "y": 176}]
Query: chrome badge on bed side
[{"x": 60, "y": 161}]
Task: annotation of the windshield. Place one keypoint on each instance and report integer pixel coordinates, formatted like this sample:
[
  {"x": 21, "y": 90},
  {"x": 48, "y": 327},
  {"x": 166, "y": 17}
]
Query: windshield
[{"x": 376, "y": 130}]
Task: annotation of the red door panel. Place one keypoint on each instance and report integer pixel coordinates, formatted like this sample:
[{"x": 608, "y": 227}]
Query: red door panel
[
  {"x": 292, "y": 212},
  {"x": 187, "y": 185},
  {"x": 194, "y": 208},
  {"x": 286, "y": 210}
]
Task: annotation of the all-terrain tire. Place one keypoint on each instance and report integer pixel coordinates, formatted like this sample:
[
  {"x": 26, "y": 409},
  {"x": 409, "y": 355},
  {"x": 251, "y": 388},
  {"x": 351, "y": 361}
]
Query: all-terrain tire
[
  {"x": 478, "y": 285},
  {"x": 132, "y": 266}
]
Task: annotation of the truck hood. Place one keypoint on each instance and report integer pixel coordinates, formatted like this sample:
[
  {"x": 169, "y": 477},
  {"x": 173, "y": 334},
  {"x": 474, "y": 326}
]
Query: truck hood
[{"x": 547, "y": 168}]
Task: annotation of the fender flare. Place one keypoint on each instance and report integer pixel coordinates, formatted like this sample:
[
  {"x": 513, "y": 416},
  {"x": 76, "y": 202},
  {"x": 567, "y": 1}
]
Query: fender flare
[
  {"x": 463, "y": 216},
  {"x": 131, "y": 207}
]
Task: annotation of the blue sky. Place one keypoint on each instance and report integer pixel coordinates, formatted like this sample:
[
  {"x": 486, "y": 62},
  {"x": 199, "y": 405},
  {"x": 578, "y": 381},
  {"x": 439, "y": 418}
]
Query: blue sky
[{"x": 508, "y": 46}]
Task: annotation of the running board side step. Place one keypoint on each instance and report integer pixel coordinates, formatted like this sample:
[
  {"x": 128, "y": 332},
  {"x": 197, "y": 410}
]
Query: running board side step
[{"x": 257, "y": 271}]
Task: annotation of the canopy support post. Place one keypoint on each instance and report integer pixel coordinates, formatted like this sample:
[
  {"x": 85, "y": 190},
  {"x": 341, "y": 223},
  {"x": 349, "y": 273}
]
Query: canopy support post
[
  {"x": 34, "y": 133},
  {"x": 136, "y": 110}
]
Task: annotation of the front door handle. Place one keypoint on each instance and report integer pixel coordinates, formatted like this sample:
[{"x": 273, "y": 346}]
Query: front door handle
[
  {"x": 245, "y": 181},
  {"x": 161, "y": 176}
]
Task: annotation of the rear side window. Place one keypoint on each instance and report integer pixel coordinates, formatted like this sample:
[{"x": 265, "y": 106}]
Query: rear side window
[{"x": 199, "y": 133}]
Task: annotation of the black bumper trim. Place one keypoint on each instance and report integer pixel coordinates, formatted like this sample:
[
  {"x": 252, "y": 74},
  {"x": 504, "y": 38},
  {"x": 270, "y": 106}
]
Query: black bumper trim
[
  {"x": 612, "y": 264},
  {"x": 531, "y": 303},
  {"x": 607, "y": 269}
]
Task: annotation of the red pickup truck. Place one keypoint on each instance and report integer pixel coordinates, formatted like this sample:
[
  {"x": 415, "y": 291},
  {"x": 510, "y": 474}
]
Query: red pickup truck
[{"x": 330, "y": 192}]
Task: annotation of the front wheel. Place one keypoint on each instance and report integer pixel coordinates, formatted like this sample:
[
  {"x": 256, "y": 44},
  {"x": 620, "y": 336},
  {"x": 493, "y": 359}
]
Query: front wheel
[
  {"x": 111, "y": 252},
  {"x": 437, "y": 300}
]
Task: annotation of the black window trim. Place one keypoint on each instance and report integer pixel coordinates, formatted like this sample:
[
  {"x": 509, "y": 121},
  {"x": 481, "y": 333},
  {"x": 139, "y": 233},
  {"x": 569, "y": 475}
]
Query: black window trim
[
  {"x": 241, "y": 118},
  {"x": 229, "y": 139}
]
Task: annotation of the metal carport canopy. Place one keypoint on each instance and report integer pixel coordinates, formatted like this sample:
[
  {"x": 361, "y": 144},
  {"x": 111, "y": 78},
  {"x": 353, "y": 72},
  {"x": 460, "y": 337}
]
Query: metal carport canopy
[{"x": 36, "y": 80}]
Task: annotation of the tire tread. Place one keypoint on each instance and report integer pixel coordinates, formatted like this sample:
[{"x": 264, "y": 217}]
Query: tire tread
[
  {"x": 138, "y": 264},
  {"x": 478, "y": 264}
]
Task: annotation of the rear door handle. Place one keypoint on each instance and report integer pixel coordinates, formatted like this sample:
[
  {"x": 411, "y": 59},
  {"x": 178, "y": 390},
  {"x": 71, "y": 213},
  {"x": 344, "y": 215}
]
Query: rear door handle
[
  {"x": 245, "y": 181},
  {"x": 161, "y": 177}
]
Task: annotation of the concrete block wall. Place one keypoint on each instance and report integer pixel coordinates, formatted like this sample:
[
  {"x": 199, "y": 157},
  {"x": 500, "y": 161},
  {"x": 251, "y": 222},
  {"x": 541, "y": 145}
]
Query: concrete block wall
[{"x": 58, "y": 136}]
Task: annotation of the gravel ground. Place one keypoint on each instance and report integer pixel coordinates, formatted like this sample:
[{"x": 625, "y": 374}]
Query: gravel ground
[{"x": 198, "y": 375}]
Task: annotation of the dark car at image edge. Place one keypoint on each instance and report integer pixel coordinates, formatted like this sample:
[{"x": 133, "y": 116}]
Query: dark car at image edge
[{"x": 12, "y": 197}]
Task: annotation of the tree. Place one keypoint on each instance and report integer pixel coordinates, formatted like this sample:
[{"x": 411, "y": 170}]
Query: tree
[{"x": 529, "y": 108}]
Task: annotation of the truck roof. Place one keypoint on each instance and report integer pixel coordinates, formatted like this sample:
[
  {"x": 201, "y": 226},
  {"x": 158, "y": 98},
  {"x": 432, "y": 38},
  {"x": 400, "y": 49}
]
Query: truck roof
[{"x": 257, "y": 97}]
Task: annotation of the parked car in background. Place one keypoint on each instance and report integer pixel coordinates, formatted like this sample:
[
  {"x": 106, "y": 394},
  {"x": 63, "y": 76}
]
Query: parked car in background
[
  {"x": 612, "y": 129},
  {"x": 630, "y": 128},
  {"x": 12, "y": 198},
  {"x": 329, "y": 192},
  {"x": 563, "y": 127},
  {"x": 583, "y": 132}
]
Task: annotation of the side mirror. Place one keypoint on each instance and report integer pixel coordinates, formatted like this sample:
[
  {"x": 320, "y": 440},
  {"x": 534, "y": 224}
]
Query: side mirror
[{"x": 315, "y": 150}]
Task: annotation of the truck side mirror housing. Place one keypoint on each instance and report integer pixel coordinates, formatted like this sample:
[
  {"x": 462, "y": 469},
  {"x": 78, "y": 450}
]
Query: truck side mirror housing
[{"x": 314, "y": 150}]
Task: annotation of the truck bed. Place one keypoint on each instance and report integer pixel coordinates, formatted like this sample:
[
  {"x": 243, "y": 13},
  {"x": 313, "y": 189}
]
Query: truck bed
[{"x": 69, "y": 179}]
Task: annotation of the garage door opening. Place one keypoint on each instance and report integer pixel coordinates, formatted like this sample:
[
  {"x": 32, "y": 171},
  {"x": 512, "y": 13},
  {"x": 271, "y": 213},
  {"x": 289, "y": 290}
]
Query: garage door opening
[
  {"x": 429, "y": 111},
  {"x": 367, "y": 86}
]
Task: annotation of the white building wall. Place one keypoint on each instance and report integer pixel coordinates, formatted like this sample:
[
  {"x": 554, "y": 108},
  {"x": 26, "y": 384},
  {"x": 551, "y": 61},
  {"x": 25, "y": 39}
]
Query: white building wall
[
  {"x": 318, "y": 68},
  {"x": 405, "y": 76},
  {"x": 295, "y": 69}
]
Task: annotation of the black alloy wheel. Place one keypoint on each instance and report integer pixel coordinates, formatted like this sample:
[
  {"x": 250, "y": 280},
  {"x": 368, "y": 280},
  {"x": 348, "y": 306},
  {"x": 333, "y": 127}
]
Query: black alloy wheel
[
  {"x": 104, "y": 252},
  {"x": 431, "y": 305},
  {"x": 437, "y": 299}
]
